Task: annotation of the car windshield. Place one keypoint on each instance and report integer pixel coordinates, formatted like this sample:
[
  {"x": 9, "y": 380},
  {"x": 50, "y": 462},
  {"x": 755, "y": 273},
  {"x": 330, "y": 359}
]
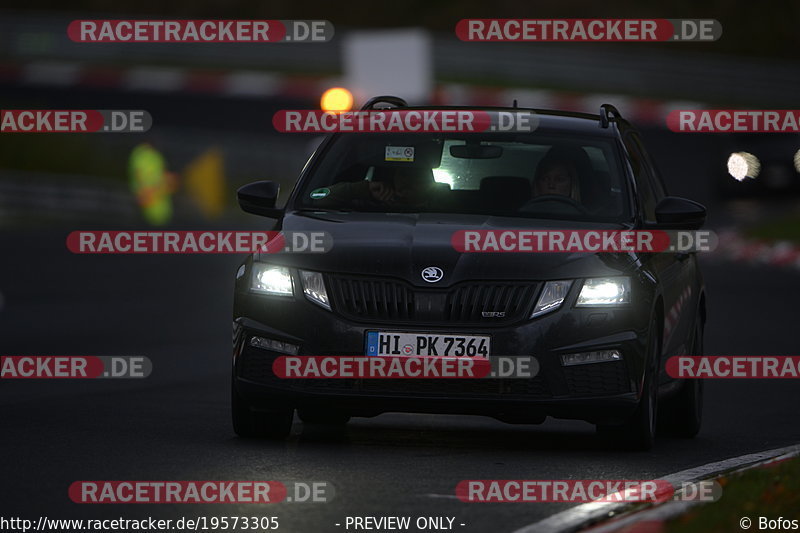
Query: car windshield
[{"x": 530, "y": 175}]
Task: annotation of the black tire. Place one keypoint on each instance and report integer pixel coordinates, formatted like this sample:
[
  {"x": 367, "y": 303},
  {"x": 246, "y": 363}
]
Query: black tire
[
  {"x": 251, "y": 424},
  {"x": 682, "y": 414},
  {"x": 639, "y": 431},
  {"x": 328, "y": 417}
]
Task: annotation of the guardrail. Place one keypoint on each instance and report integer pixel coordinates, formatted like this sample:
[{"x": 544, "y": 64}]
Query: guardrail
[{"x": 630, "y": 69}]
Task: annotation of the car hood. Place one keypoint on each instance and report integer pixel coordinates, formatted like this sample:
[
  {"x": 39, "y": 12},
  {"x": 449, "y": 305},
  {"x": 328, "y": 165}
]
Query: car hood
[{"x": 401, "y": 245}]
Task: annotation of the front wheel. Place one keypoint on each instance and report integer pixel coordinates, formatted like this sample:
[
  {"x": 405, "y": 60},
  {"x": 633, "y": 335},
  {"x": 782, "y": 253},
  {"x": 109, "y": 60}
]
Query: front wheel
[
  {"x": 683, "y": 413},
  {"x": 251, "y": 424},
  {"x": 639, "y": 431}
]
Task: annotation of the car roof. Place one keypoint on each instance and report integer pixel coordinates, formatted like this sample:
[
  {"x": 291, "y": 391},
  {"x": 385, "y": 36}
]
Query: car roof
[{"x": 549, "y": 119}]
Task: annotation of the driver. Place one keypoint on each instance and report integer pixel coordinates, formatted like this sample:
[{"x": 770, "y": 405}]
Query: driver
[
  {"x": 407, "y": 186},
  {"x": 556, "y": 176}
]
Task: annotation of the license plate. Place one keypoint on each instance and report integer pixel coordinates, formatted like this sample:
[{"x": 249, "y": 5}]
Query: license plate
[{"x": 425, "y": 344}]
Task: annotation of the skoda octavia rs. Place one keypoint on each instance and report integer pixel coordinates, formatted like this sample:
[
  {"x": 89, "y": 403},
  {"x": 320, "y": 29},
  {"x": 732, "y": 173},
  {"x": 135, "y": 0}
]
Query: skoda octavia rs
[{"x": 600, "y": 325}]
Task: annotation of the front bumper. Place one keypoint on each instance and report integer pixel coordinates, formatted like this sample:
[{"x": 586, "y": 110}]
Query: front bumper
[{"x": 600, "y": 393}]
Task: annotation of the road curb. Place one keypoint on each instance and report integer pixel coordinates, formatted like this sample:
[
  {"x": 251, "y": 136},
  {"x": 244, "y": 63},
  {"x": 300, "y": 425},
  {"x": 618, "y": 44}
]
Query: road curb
[
  {"x": 594, "y": 517},
  {"x": 736, "y": 248}
]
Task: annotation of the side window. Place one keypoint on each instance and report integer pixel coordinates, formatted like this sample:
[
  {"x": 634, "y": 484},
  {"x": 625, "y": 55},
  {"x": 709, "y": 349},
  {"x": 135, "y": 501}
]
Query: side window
[{"x": 639, "y": 165}]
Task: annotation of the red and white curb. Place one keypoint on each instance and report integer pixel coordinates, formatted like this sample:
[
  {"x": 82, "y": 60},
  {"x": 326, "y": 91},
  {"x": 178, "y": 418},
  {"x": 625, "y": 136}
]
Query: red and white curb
[
  {"x": 734, "y": 247},
  {"x": 582, "y": 516},
  {"x": 257, "y": 84},
  {"x": 164, "y": 79},
  {"x": 637, "y": 110}
]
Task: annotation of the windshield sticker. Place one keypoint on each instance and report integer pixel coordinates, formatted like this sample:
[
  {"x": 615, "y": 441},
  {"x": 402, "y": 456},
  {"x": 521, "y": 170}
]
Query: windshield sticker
[
  {"x": 400, "y": 153},
  {"x": 318, "y": 194}
]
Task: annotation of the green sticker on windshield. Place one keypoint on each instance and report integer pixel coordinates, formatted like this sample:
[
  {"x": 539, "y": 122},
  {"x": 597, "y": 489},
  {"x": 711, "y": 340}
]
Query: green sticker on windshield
[{"x": 318, "y": 194}]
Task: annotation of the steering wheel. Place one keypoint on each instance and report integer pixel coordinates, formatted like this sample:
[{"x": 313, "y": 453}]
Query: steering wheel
[{"x": 565, "y": 200}]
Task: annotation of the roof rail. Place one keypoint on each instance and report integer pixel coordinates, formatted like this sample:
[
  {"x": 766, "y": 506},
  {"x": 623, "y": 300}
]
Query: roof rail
[
  {"x": 606, "y": 110},
  {"x": 393, "y": 100}
]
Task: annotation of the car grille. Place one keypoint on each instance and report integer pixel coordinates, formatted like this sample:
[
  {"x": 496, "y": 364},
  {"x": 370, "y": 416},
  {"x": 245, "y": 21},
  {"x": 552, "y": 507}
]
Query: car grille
[{"x": 391, "y": 300}]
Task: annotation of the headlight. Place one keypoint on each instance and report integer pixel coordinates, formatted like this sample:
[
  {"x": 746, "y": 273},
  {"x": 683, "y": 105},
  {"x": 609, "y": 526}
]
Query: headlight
[
  {"x": 552, "y": 297},
  {"x": 314, "y": 288},
  {"x": 605, "y": 291},
  {"x": 271, "y": 279}
]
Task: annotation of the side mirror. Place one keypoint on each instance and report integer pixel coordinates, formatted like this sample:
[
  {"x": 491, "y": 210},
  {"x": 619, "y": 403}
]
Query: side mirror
[
  {"x": 259, "y": 198},
  {"x": 680, "y": 213}
]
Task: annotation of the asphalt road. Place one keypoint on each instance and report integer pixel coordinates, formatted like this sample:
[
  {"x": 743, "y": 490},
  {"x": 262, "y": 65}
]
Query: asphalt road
[{"x": 175, "y": 424}]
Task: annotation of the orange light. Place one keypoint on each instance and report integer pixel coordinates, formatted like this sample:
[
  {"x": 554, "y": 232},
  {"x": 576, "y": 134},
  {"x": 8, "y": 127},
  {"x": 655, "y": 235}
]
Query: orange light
[{"x": 336, "y": 100}]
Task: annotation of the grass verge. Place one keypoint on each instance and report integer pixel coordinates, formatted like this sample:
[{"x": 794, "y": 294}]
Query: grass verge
[{"x": 771, "y": 491}]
